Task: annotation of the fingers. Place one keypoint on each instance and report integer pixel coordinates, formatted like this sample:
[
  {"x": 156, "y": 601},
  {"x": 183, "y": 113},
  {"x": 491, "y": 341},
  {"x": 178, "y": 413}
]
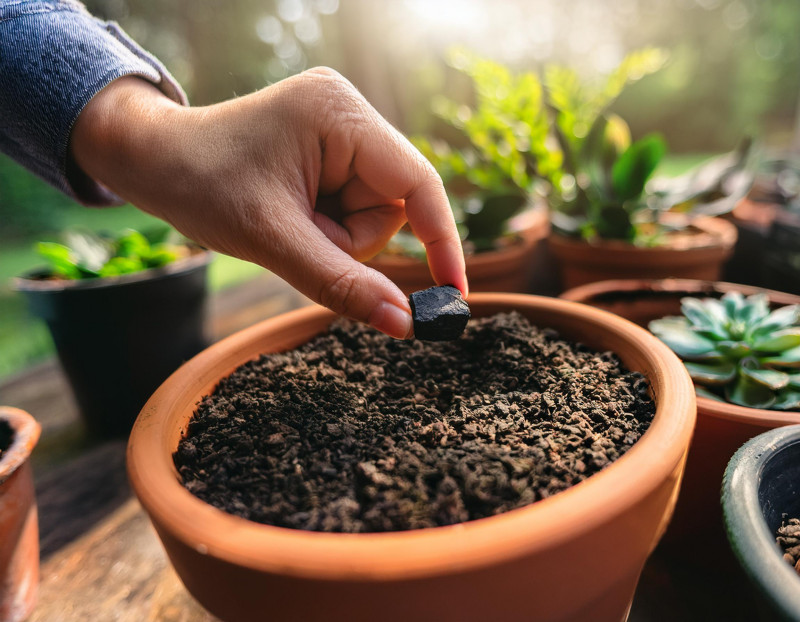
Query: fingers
[
  {"x": 359, "y": 143},
  {"x": 313, "y": 264}
]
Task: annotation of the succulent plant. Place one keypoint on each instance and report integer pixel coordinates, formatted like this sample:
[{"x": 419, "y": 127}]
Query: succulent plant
[{"x": 737, "y": 349}]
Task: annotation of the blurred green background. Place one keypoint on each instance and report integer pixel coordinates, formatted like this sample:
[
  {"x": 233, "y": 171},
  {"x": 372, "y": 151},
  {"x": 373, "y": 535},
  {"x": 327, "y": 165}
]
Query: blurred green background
[{"x": 733, "y": 69}]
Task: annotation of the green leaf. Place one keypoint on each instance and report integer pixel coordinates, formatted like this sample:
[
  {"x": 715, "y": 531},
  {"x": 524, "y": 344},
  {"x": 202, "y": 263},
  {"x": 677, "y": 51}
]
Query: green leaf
[
  {"x": 734, "y": 350},
  {"x": 770, "y": 378},
  {"x": 794, "y": 380},
  {"x": 702, "y": 317},
  {"x": 614, "y": 223},
  {"x": 746, "y": 392},
  {"x": 634, "y": 167},
  {"x": 778, "y": 341},
  {"x": 787, "y": 358},
  {"x": 784, "y": 317},
  {"x": 714, "y": 374},
  {"x": 755, "y": 309},
  {"x": 684, "y": 342},
  {"x": 702, "y": 392},
  {"x": 733, "y": 302},
  {"x": 117, "y": 266},
  {"x": 60, "y": 259},
  {"x": 131, "y": 244},
  {"x": 787, "y": 400}
]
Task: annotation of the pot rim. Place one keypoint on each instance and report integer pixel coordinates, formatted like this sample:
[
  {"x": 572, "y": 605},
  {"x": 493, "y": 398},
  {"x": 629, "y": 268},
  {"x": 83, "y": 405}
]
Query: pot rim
[
  {"x": 424, "y": 552},
  {"x": 196, "y": 259},
  {"x": 26, "y": 435},
  {"x": 747, "y": 531},
  {"x": 708, "y": 407},
  {"x": 537, "y": 227},
  {"x": 722, "y": 232}
]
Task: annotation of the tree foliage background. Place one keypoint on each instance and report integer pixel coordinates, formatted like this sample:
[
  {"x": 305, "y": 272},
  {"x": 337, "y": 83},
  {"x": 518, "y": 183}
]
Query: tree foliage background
[{"x": 733, "y": 69}]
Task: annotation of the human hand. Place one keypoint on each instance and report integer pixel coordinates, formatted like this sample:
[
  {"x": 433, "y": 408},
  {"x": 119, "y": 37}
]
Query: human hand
[{"x": 304, "y": 178}]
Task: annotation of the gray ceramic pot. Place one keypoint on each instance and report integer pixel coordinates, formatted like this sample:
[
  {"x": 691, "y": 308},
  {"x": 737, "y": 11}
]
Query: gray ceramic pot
[{"x": 761, "y": 483}]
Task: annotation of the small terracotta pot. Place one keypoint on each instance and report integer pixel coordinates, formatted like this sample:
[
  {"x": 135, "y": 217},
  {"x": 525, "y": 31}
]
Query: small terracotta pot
[
  {"x": 721, "y": 428},
  {"x": 696, "y": 256},
  {"x": 759, "y": 488},
  {"x": 574, "y": 556},
  {"x": 19, "y": 527},
  {"x": 511, "y": 269}
]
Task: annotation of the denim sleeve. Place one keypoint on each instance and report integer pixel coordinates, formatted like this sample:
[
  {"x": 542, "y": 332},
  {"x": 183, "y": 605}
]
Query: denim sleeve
[{"x": 54, "y": 57}]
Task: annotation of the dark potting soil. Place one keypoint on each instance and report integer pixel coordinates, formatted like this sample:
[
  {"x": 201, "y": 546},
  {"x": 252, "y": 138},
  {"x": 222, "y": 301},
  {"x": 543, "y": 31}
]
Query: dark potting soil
[
  {"x": 358, "y": 432},
  {"x": 788, "y": 538},
  {"x": 6, "y": 436}
]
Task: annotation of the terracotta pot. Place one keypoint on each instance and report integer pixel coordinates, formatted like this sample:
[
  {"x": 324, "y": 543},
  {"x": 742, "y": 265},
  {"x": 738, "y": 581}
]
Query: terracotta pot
[
  {"x": 760, "y": 486},
  {"x": 574, "y": 556},
  {"x": 19, "y": 527},
  {"x": 512, "y": 269},
  {"x": 698, "y": 255},
  {"x": 721, "y": 428},
  {"x": 119, "y": 338}
]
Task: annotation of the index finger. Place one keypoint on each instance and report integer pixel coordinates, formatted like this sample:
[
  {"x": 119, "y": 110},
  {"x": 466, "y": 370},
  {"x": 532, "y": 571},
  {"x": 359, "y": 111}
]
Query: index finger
[{"x": 387, "y": 162}]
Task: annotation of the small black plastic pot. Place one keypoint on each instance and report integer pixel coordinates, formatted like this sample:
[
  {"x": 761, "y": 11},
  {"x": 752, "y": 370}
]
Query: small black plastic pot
[
  {"x": 761, "y": 484},
  {"x": 119, "y": 338}
]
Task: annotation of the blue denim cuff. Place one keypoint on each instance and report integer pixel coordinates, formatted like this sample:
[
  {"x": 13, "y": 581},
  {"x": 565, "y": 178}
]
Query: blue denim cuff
[{"x": 54, "y": 57}]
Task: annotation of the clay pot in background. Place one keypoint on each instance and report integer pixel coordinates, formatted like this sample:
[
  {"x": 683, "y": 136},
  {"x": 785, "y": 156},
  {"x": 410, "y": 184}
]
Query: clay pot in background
[
  {"x": 517, "y": 268},
  {"x": 696, "y": 529},
  {"x": 19, "y": 527},
  {"x": 697, "y": 255},
  {"x": 761, "y": 483},
  {"x": 574, "y": 556}
]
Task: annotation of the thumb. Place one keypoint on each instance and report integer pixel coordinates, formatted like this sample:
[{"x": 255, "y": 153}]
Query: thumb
[{"x": 332, "y": 278}]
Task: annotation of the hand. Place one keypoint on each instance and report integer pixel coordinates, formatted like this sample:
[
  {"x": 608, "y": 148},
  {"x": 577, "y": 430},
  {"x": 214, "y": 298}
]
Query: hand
[{"x": 304, "y": 178}]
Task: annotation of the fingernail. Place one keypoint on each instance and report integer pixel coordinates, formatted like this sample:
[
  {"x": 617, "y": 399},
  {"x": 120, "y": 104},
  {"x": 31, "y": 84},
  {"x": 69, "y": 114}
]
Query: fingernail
[{"x": 392, "y": 320}]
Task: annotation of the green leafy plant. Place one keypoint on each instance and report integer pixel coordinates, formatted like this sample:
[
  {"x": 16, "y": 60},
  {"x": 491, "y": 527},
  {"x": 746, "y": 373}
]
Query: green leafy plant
[
  {"x": 604, "y": 189},
  {"x": 86, "y": 255},
  {"x": 736, "y": 349},
  {"x": 507, "y": 149}
]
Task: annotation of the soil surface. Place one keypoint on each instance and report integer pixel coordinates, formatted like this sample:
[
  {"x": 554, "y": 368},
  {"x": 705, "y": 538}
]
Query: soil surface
[
  {"x": 358, "y": 432},
  {"x": 6, "y": 436},
  {"x": 788, "y": 538}
]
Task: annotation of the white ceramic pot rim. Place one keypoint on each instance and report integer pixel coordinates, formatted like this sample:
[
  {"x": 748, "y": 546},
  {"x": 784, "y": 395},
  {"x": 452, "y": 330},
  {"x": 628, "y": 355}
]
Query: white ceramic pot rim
[{"x": 543, "y": 525}]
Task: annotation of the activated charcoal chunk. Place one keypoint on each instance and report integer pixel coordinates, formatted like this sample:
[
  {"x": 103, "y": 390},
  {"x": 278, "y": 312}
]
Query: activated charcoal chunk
[{"x": 440, "y": 313}]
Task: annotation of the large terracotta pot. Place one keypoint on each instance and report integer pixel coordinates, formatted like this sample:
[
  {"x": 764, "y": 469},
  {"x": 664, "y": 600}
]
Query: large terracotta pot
[
  {"x": 721, "y": 427},
  {"x": 699, "y": 254},
  {"x": 759, "y": 488},
  {"x": 574, "y": 556},
  {"x": 512, "y": 269},
  {"x": 19, "y": 527}
]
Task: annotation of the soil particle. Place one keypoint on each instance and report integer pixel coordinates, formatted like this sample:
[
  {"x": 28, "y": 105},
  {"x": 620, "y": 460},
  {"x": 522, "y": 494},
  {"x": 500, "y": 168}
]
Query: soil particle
[
  {"x": 358, "y": 432},
  {"x": 788, "y": 538}
]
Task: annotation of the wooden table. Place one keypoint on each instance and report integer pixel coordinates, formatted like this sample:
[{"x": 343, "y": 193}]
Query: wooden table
[{"x": 102, "y": 561}]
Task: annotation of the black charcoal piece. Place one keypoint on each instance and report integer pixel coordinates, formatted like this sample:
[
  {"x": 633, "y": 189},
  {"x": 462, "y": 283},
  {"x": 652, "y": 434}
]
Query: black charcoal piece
[{"x": 440, "y": 313}]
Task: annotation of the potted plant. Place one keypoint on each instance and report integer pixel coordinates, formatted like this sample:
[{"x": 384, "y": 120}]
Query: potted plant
[
  {"x": 607, "y": 221},
  {"x": 513, "y": 565},
  {"x": 124, "y": 312},
  {"x": 759, "y": 492},
  {"x": 490, "y": 182},
  {"x": 721, "y": 427},
  {"x": 19, "y": 527}
]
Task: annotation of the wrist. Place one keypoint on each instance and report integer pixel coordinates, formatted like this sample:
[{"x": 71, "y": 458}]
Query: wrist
[{"x": 118, "y": 132}]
